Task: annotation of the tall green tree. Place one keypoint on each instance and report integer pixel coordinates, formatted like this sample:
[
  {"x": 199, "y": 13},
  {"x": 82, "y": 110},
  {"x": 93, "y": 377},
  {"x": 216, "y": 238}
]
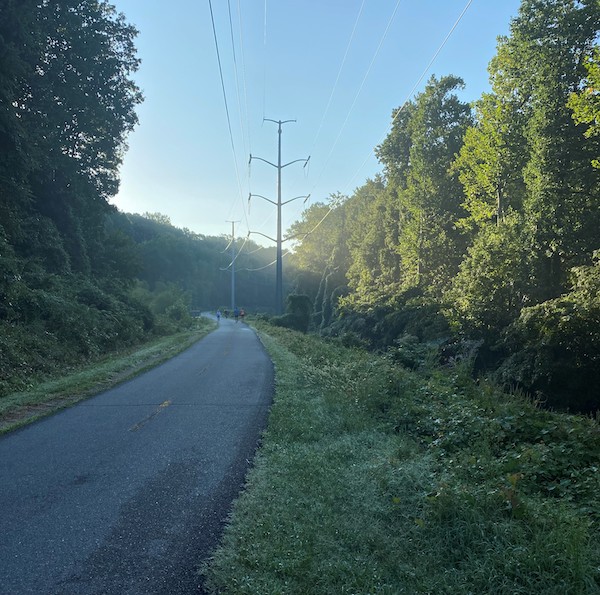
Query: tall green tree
[
  {"x": 526, "y": 160},
  {"x": 586, "y": 103},
  {"x": 68, "y": 105},
  {"x": 541, "y": 64},
  {"x": 492, "y": 284},
  {"x": 319, "y": 236},
  {"x": 491, "y": 161},
  {"x": 17, "y": 54},
  {"x": 320, "y": 256},
  {"x": 417, "y": 157},
  {"x": 372, "y": 224}
]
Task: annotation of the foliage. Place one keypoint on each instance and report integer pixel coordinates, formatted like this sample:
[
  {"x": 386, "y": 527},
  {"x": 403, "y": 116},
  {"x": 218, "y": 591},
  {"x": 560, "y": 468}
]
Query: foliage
[
  {"x": 195, "y": 263},
  {"x": 417, "y": 154},
  {"x": 485, "y": 210},
  {"x": 555, "y": 346},
  {"x": 374, "y": 273},
  {"x": 491, "y": 286},
  {"x": 411, "y": 314},
  {"x": 375, "y": 479},
  {"x": 78, "y": 279},
  {"x": 399, "y": 232},
  {"x": 586, "y": 103},
  {"x": 52, "y": 322},
  {"x": 298, "y": 313},
  {"x": 491, "y": 161},
  {"x": 561, "y": 207},
  {"x": 321, "y": 233},
  {"x": 69, "y": 104},
  {"x": 411, "y": 353}
]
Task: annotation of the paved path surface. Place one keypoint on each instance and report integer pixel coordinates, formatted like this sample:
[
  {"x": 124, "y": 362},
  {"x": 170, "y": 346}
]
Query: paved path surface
[{"x": 127, "y": 492}]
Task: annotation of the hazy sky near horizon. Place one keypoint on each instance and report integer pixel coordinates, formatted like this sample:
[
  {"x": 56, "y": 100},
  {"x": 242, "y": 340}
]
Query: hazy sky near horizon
[{"x": 337, "y": 67}]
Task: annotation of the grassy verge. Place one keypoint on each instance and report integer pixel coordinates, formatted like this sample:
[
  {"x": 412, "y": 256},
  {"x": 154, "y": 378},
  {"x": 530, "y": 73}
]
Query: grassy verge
[
  {"x": 20, "y": 408},
  {"x": 375, "y": 479}
]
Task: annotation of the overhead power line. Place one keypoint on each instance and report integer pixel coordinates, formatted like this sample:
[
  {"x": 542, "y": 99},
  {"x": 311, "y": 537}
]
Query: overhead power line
[
  {"x": 336, "y": 203},
  {"x": 238, "y": 253},
  {"x": 237, "y": 173},
  {"x": 415, "y": 86},
  {"x": 335, "y": 84},
  {"x": 244, "y": 76},
  {"x": 362, "y": 84},
  {"x": 265, "y": 62},
  {"x": 236, "y": 76},
  {"x": 337, "y": 79},
  {"x": 266, "y": 266}
]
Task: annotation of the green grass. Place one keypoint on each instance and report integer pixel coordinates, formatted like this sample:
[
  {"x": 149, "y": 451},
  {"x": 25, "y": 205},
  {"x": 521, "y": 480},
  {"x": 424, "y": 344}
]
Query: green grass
[
  {"x": 45, "y": 397},
  {"x": 375, "y": 479}
]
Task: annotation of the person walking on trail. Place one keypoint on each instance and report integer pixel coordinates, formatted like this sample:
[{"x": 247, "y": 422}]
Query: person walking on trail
[
  {"x": 218, "y": 316},
  {"x": 242, "y": 314},
  {"x": 236, "y": 314}
]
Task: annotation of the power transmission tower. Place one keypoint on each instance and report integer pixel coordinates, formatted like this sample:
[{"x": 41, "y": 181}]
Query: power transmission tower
[
  {"x": 233, "y": 257},
  {"x": 278, "y": 204}
]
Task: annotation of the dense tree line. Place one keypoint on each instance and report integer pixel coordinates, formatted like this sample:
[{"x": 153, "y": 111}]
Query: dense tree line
[
  {"x": 78, "y": 279},
  {"x": 67, "y": 102},
  {"x": 483, "y": 227},
  {"x": 198, "y": 265},
  {"x": 480, "y": 233}
]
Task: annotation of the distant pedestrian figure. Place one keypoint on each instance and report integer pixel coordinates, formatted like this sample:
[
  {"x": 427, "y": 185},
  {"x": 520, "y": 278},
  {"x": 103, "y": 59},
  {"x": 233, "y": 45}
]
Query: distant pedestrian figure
[
  {"x": 236, "y": 314},
  {"x": 242, "y": 314},
  {"x": 218, "y": 316}
]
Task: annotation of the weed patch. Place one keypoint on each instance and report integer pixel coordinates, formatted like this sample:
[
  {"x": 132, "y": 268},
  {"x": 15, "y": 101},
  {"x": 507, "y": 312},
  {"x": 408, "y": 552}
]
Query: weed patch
[
  {"x": 44, "y": 397},
  {"x": 375, "y": 478}
]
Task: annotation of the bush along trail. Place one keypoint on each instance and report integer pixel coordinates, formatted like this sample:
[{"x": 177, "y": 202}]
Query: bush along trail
[
  {"x": 59, "y": 387},
  {"x": 372, "y": 478}
]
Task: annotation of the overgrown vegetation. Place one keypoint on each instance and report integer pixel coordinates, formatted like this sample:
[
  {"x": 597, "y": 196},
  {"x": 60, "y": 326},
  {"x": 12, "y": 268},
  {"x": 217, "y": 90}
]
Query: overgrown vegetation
[
  {"x": 297, "y": 315},
  {"x": 78, "y": 279},
  {"x": 484, "y": 223},
  {"x": 375, "y": 478},
  {"x": 39, "y": 397}
]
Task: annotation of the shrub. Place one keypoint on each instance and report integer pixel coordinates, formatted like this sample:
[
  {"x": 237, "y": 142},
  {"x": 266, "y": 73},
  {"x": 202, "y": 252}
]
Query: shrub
[
  {"x": 299, "y": 310},
  {"x": 555, "y": 346},
  {"x": 410, "y": 352}
]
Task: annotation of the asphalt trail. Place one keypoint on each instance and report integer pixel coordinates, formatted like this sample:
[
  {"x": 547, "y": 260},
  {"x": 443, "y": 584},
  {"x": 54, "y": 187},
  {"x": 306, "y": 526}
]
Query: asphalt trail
[{"x": 127, "y": 492}]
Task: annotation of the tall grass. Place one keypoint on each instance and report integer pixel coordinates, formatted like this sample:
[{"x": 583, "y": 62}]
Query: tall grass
[
  {"x": 375, "y": 479},
  {"x": 45, "y": 396}
]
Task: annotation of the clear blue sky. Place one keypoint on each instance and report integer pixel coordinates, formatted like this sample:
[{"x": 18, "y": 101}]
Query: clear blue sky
[{"x": 180, "y": 160}]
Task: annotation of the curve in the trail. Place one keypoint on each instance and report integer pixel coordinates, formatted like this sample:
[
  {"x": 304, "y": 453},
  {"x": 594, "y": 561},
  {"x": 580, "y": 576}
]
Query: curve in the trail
[{"x": 127, "y": 492}]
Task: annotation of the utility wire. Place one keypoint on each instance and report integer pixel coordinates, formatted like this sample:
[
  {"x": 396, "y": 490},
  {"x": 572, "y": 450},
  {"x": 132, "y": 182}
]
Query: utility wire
[
  {"x": 228, "y": 245},
  {"x": 357, "y": 93},
  {"x": 256, "y": 250},
  {"x": 237, "y": 255},
  {"x": 235, "y": 72},
  {"x": 268, "y": 265},
  {"x": 335, "y": 84},
  {"x": 389, "y": 24},
  {"x": 265, "y": 62},
  {"x": 244, "y": 76},
  {"x": 264, "y": 101},
  {"x": 237, "y": 173},
  {"x": 337, "y": 79},
  {"x": 399, "y": 110},
  {"x": 336, "y": 203}
]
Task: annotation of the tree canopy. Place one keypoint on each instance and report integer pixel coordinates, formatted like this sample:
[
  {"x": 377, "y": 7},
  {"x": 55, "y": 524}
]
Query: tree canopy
[
  {"x": 77, "y": 278},
  {"x": 488, "y": 214},
  {"x": 482, "y": 228}
]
